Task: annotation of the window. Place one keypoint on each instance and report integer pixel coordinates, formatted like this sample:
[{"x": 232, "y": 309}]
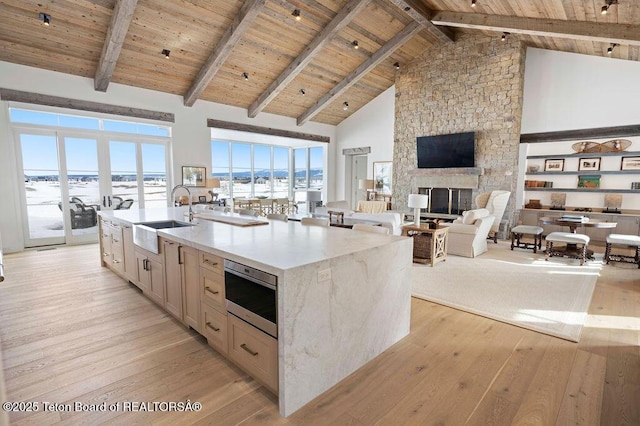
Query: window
[{"x": 260, "y": 170}]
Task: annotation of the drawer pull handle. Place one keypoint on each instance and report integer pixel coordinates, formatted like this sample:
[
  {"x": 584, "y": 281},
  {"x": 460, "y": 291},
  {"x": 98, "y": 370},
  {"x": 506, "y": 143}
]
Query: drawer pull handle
[
  {"x": 212, "y": 327},
  {"x": 208, "y": 262},
  {"x": 246, "y": 348},
  {"x": 116, "y": 261},
  {"x": 211, "y": 291},
  {"x": 116, "y": 241}
]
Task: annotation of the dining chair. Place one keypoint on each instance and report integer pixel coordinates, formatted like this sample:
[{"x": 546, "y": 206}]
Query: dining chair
[
  {"x": 266, "y": 206},
  {"x": 370, "y": 228},
  {"x": 315, "y": 221},
  {"x": 278, "y": 216}
]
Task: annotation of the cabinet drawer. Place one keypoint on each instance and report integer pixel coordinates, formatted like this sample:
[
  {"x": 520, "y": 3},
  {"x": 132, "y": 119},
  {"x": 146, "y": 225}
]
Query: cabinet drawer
[
  {"x": 214, "y": 328},
  {"x": 212, "y": 288},
  {"x": 256, "y": 352},
  {"x": 211, "y": 262}
]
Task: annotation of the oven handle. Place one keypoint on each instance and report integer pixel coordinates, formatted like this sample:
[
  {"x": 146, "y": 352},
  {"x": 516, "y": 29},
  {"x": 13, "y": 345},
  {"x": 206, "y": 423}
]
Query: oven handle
[{"x": 247, "y": 277}]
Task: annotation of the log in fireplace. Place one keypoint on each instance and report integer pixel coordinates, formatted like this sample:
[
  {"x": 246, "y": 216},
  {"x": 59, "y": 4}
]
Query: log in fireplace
[{"x": 447, "y": 200}]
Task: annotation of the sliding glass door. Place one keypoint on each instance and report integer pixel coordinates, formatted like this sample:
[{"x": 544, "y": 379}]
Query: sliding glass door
[{"x": 69, "y": 177}]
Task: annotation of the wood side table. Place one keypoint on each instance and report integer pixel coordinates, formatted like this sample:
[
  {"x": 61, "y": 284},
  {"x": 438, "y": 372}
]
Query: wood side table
[{"x": 429, "y": 245}]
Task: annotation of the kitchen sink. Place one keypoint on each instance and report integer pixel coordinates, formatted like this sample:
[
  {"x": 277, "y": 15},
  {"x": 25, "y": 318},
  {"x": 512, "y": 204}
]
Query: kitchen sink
[
  {"x": 166, "y": 224},
  {"x": 145, "y": 235}
]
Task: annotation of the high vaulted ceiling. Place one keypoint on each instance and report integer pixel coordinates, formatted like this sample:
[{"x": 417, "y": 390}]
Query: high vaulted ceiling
[{"x": 213, "y": 42}]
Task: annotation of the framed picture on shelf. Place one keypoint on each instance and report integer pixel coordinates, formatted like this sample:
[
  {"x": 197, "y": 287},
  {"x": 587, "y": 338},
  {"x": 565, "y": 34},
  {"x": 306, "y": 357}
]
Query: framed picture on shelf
[
  {"x": 382, "y": 176},
  {"x": 630, "y": 163},
  {"x": 556, "y": 165},
  {"x": 589, "y": 164},
  {"x": 589, "y": 181},
  {"x": 194, "y": 176}
]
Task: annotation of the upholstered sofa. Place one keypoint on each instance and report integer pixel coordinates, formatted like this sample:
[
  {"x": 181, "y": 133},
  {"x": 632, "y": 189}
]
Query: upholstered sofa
[
  {"x": 388, "y": 219},
  {"x": 468, "y": 234}
]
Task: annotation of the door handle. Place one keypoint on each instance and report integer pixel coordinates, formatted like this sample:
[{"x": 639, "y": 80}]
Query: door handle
[
  {"x": 180, "y": 262},
  {"x": 104, "y": 201},
  {"x": 109, "y": 198}
]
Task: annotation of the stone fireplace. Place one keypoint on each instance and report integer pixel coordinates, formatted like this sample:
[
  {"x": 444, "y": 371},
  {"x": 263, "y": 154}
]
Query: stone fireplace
[
  {"x": 447, "y": 200},
  {"x": 474, "y": 84}
]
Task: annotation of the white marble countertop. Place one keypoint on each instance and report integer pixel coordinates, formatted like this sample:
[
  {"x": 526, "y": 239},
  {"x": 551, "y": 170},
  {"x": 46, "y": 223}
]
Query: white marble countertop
[{"x": 279, "y": 245}]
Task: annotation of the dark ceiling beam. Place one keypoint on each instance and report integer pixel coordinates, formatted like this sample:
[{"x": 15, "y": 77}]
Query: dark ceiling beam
[
  {"x": 120, "y": 20},
  {"x": 241, "y": 23},
  {"x": 381, "y": 54},
  {"x": 577, "y": 30},
  {"x": 341, "y": 20},
  {"x": 229, "y": 125},
  {"x": 419, "y": 13}
]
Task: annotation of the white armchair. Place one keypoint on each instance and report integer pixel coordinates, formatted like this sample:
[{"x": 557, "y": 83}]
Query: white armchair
[
  {"x": 468, "y": 235},
  {"x": 496, "y": 203}
]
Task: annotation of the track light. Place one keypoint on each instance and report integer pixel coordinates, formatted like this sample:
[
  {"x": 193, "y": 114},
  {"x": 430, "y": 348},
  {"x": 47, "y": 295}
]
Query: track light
[
  {"x": 245, "y": 76},
  {"x": 473, "y": 3},
  {"x": 345, "y": 106},
  {"x": 166, "y": 53},
  {"x": 303, "y": 92},
  {"x": 396, "y": 65},
  {"x": 354, "y": 43},
  {"x": 610, "y": 49},
  {"x": 504, "y": 36},
  {"x": 296, "y": 14},
  {"x": 607, "y": 5},
  {"x": 46, "y": 19}
]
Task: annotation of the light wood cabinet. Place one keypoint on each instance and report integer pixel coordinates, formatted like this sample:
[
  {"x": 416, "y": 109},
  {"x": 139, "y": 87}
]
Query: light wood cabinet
[
  {"x": 212, "y": 301},
  {"x": 190, "y": 271},
  {"x": 172, "y": 278},
  {"x": 150, "y": 274},
  {"x": 214, "y": 328},
  {"x": 129, "y": 253},
  {"x": 112, "y": 246},
  {"x": 254, "y": 351},
  {"x": 212, "y": 288}
]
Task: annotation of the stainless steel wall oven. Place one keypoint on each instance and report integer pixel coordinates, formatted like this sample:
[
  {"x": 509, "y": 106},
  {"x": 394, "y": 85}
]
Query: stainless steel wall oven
[{"x": 252, "y": 296}]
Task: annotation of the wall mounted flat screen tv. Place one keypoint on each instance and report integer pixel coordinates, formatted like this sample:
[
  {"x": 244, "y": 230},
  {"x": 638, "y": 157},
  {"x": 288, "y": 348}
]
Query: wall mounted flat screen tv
[{"x": 455, "y": 150}]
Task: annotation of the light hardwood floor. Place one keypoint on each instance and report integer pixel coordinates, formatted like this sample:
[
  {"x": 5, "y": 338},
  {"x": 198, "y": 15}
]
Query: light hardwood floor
[{"x": 73, "y": 331}]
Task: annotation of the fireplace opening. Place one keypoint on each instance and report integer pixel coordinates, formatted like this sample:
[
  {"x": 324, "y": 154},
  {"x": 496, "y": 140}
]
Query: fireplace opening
[{"x": 447, "y": 200}]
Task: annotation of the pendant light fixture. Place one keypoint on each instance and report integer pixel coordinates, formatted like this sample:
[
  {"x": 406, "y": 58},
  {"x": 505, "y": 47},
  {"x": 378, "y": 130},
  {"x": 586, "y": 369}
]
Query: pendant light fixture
[
  {"x": 166, "y": 53},
  {"x": 607, "y": 5},
  {"x": 296, "y": 14},
  {"x": 45, "y": 18}
]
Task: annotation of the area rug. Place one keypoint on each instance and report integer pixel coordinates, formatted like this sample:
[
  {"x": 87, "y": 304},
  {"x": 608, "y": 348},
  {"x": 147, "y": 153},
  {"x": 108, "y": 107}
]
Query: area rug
[{"x": 516, "y": 287}]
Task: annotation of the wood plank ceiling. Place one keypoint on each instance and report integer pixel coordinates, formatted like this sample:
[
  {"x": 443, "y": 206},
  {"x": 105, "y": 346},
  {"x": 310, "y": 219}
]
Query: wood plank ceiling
[{"x": 213, "y": 42}]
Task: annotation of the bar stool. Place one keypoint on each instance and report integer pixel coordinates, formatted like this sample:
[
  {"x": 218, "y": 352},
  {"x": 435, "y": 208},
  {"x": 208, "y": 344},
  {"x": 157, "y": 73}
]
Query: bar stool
[
  {"x": 571, "y": 240},
  {"x": 517, "y": 232},
  {"x": 623, "y": 240}
]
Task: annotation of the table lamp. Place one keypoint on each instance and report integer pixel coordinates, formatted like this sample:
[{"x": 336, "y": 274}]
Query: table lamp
[
  {"x": 366, "y": 185},
  {"x": 417, "y": 202}
]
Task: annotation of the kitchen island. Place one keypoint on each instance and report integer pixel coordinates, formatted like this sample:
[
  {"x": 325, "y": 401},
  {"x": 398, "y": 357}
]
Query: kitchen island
[{"x": 343, "y": 296}]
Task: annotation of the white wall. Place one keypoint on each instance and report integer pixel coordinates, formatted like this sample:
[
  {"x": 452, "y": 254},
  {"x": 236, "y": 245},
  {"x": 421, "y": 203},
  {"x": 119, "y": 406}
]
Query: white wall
[
  {"x": 566, "y": 91},
  {"x": 371, "y": 126},
  {"x": 191, "y": 136}
]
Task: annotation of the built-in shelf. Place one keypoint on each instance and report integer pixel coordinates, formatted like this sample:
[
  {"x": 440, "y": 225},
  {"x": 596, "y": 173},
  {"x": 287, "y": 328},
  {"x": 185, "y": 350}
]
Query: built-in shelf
[
  {"x": 587, "y": 155},
  {"x": 590, "y": 172},
  {"x": 606, "y": 191}
]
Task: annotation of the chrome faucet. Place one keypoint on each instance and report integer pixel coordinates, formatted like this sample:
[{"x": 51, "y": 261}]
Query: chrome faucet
[{"x": 173, "y": 191}]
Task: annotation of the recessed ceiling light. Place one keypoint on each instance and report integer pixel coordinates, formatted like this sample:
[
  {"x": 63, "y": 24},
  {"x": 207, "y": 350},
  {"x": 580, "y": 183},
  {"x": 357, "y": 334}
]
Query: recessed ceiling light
[
  {"x": 303, "y": 92},
  {"x": 345, "y": 106},
  {"x": 245, "y": 76},
  {"x": 607, "y": 5},
  {"x": 296, "y": 14},
  {"x": 354, "y": 43},
  {"x": 396, "y": 65},
  {"x": 166, "y": 53},
  {"x": 46, "y": 19}
]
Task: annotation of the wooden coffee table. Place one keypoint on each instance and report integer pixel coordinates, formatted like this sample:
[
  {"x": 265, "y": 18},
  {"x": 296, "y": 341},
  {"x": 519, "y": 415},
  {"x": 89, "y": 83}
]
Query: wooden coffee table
[{"x": 429, "y": 245}]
